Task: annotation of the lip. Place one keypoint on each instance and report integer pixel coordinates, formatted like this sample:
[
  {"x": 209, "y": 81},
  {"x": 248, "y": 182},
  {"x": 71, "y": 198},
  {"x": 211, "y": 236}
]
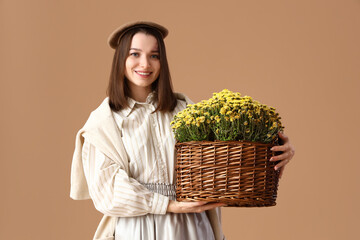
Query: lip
[{"x": 143, "y": 76}]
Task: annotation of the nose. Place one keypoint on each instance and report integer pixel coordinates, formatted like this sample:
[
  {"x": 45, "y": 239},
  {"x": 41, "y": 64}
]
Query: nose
[{"x": 144, "y": 62}]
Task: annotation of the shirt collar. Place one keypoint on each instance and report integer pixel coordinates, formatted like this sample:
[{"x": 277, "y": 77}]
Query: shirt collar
[{"x": 150, "y": 99}]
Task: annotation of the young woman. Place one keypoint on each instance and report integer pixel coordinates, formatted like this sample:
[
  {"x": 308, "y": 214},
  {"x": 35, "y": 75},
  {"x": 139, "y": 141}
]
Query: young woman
[{"x": 124, "y": 155}]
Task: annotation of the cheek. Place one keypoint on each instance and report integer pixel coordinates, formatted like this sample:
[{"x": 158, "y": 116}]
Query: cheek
[
  {"x": 128, "y": 65},
  {"x": 157, "y": 67},
  {"x": 127, "y": 71},
  {"x": 157, "y": 73}
]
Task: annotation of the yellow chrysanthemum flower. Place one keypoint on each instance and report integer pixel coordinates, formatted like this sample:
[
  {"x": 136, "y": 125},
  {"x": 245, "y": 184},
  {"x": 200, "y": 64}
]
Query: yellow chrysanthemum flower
[{"x": 199, "y": 120}]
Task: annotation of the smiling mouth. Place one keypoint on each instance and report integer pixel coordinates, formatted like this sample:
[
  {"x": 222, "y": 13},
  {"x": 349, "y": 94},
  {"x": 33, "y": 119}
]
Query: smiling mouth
[{"x": 143, "y": 73}]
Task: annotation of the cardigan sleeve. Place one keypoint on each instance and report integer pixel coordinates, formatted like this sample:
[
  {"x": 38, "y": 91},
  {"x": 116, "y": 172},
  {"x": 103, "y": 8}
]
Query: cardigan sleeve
[{"x": 113, "y": 192}]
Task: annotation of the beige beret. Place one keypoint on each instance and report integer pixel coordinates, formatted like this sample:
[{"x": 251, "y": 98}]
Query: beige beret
[{"x": 113, "y": 39}]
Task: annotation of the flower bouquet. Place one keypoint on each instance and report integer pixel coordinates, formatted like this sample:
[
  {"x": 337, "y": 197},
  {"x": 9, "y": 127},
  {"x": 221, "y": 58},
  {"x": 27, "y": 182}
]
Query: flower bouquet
[{"x": 223, "y": 151}]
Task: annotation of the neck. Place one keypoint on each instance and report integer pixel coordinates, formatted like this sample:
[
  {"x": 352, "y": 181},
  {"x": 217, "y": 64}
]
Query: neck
[{"x": 140, "y": 94}]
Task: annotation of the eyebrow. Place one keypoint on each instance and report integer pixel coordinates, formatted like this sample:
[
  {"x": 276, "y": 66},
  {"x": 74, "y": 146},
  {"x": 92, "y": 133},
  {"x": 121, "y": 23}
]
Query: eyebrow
[{"x": 137, "y": 49}]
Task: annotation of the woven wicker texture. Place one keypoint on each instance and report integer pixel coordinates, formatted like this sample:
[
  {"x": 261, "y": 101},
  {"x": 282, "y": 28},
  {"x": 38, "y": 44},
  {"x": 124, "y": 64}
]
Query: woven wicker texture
[{"x": 236, "y": 173}]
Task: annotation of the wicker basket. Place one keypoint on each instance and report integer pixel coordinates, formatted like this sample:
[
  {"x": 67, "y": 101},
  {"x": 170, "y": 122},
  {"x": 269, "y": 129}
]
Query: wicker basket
[{"x": 236, "y": 173}]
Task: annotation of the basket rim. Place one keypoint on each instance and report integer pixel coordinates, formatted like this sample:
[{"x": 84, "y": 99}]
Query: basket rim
[{"x": 219, "y": 142}]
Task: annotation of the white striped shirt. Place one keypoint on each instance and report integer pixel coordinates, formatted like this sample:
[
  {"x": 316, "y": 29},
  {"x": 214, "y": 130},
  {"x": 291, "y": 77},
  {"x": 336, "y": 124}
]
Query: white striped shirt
[{"x": 149, "y": 143}]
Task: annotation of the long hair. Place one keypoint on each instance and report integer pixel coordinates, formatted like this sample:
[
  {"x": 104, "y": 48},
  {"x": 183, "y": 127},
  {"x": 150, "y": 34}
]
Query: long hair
[{"x": 118, "y": 89}]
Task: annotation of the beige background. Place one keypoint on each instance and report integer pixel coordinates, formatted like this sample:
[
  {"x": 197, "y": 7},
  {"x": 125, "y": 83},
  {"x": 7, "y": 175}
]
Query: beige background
[{"x": 301, "y": 57}]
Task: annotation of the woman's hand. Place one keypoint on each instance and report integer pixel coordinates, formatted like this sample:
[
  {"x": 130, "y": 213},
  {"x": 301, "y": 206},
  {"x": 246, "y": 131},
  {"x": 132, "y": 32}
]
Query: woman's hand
[
  {"x": 287, "y": 154},
  {"x": 191, "y": 207}
]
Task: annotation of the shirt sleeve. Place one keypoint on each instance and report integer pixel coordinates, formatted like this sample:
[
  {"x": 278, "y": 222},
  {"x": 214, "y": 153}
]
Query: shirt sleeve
[{"x": 113, "y": 192}]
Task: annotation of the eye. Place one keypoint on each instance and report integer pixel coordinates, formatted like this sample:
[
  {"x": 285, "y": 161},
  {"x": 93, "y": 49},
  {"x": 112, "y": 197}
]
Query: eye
[
  {"x": 135, "y": 54},
  {"x": 155, "y": 56}
]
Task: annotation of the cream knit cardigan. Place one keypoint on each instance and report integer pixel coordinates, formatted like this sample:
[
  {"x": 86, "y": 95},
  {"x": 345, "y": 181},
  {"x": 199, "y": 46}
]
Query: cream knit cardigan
[{"x": 102, "y": 132}]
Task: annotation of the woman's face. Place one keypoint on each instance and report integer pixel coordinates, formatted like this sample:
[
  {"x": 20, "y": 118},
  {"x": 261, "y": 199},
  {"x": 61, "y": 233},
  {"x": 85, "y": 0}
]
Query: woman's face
[{"x": 142, "y": 66}]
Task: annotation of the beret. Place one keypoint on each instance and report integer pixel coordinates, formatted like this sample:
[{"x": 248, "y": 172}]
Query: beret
[{"x": 113, "y": 39}]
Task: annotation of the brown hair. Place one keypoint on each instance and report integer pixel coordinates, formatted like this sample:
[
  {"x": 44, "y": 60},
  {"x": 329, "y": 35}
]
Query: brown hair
[{"x": 118, "y": 89}]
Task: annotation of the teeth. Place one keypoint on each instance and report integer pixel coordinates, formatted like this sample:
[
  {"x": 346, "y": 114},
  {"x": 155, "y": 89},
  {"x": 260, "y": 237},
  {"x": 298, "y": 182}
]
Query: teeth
[{"x": 142, "y": 73}]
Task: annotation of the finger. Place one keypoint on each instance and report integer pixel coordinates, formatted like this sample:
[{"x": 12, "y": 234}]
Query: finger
[
  {"x": 210, "y": 206},
  {"x": 217, "y": 204},
  {"x": 280, "y": 148},
  {"x": 283, "y": 137},
  {"x": 281, "y": 164},
  {"x": 193, "y": 204},
  {"x": 280, "y": 157}
]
